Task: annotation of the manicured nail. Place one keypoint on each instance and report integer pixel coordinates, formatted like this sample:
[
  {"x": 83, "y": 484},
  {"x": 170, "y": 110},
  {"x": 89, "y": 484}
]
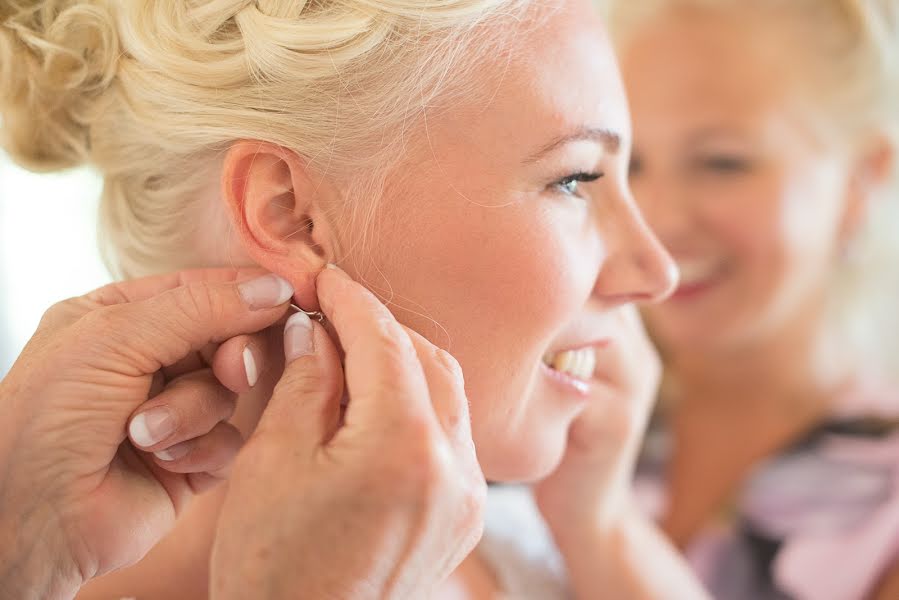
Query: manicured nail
[
  {"x": 267, "y": 291},
  {"x": 174, "y": 453},
  {"x": 249, "y": 365},
  {"x": 152, "y": 426},
  {"x": 298, "y": 337}
]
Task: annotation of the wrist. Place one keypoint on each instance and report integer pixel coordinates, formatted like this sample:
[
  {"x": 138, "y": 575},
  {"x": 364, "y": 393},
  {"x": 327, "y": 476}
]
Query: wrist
[
  {"x": 33, "y": 562},
  {"x": 574, "y": 519},
  {"x": 601, "y": 533}
]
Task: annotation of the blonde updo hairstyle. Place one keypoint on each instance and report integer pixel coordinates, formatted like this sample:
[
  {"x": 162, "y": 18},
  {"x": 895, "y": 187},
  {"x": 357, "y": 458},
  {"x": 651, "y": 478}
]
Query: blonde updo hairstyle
[
  {"x": 844, "y": 57},
  {"x": 151, "y": 93}
]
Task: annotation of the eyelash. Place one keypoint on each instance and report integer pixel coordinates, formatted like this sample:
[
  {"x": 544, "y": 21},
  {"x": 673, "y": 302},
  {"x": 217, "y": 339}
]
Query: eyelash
[{"x": 581, "y": 177}]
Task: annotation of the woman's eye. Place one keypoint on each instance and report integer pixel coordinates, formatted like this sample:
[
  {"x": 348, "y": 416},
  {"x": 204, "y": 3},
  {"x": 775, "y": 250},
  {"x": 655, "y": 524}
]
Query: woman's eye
[
  {"x": 725, "y": 164},
  {"x": 635, "y": 168},
  {"x": 570, "y": 185}
]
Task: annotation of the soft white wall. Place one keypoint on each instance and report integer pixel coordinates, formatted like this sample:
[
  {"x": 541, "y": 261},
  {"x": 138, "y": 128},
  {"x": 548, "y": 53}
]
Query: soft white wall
[{"x": 48, "y": 248}]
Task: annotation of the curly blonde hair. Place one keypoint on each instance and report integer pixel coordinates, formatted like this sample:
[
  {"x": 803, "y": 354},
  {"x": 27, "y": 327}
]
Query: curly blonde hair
[{"x": 151, "y": 92}]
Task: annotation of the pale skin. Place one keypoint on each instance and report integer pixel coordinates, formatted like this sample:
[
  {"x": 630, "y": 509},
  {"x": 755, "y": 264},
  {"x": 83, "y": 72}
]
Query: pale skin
[
  {"x": 78, "y": 500},
  {"x": 518, "y": 236},
  {"x": 756, "y": 196}
]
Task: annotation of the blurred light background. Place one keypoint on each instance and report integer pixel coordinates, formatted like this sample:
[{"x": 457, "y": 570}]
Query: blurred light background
[{"x": 48, "y": 247}]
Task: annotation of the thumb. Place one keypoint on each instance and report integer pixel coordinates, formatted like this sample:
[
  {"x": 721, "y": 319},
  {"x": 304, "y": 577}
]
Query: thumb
[{"x": 306, "y": 402}]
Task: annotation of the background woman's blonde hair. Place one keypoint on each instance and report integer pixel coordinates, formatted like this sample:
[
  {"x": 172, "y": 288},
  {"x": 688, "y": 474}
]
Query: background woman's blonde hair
[
  {"x": 845, "y": 55},
  {"x": 151, "y": 92}
]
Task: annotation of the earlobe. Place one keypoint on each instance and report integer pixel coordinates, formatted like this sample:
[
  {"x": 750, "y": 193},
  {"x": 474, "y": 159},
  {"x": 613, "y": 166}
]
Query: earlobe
[
  {"x": 881, "y": 161},
  {"x": 277, "y": 211},
  {"x": 872, "y": 171}
]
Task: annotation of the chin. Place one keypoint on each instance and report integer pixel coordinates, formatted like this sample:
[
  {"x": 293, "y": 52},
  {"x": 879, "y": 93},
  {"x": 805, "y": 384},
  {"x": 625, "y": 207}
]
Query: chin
[
  {"x": 524, "y": 458},
  {"x": 676, "y": 334}
]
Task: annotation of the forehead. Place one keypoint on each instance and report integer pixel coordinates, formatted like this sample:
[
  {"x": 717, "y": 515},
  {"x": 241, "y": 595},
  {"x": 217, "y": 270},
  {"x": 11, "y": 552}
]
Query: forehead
[
  {"x": 558, "y": 74},
  {"x": 702, "y": 65}
]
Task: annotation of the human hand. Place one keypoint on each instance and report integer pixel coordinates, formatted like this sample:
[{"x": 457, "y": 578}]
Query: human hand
[
  {"x": 590, "y": 488},
  {"x": 76, "y": 499},
  {"x": 383, "y": 501}
]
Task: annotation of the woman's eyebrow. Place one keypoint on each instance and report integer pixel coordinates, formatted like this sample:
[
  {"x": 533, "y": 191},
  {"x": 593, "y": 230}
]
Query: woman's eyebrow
[{"x": 610, "y": 140}]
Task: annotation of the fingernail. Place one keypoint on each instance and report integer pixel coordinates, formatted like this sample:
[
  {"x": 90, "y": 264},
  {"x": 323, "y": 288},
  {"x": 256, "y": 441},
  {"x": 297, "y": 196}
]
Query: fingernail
[
  {"x": 267, "y": 291},
  {"x": 174, "y": 453},
  {"x": 298, "y": 337},
  {"x": 152, "y": 426},
  {"x": 249, "y": 365}
]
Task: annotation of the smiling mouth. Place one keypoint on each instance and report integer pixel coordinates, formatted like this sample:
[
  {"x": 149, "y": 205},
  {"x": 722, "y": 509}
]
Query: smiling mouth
[
  {"x": 697, "y": 276},
  {"x": 698, "y": 272},
  {"x": 577, "y": 364}
]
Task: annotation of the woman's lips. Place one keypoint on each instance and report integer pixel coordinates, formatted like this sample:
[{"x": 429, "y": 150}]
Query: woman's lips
[
  {"x": 697, "y": 278},
  {"x": 691, "y": 291},
  {"x": 566, "y": 382}
]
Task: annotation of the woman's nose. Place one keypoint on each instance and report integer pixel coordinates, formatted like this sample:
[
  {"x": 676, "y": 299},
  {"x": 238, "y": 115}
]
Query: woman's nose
[{"x": 638, "y": 268}]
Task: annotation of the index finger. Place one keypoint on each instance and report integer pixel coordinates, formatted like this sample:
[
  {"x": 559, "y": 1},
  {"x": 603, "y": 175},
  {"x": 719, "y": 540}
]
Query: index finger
[
  {"x": 162, "y": 330},
  {"x": 135, "y": 290},
  {"x": 384, "y": 378}
]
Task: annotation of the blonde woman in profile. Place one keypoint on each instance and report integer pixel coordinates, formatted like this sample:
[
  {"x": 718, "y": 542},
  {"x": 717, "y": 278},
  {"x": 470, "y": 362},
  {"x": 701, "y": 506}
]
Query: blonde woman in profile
[
  {"x": 466, "y": 161},
  {"x": 765, "y": 159}
]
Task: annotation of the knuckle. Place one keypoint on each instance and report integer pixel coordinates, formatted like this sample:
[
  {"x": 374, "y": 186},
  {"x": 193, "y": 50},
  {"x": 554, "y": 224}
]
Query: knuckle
[
  {"x": 195, "y": 302},
  {"x": 58, "y": 310},
  {"x": 472, "y": 507},
  {"x": 108, "y": 332},
  {"x": 112, "y": 293},
  {"x": 396, "y": 354},
  {"x": 209, "y": 400},
  {"x": 419, "y": 463},
  {"x": 306, "y": 376},
  {"x": 226, "y": 402},
  {"x": 393, "y": 340},
  {"x": 449, "y": 363},
  {"x": 101, "y": 323}
]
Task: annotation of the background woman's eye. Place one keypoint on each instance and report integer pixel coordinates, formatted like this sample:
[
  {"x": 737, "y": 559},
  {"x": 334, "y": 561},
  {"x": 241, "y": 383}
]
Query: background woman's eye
[
  {"x": 635, "y": 167},
  {"x": 569, "y": 185},
  {"x": 725, "y": 164}
]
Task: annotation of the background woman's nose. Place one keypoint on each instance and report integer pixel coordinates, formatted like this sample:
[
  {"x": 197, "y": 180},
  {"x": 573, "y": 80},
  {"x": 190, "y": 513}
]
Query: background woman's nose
[{"x": 665, "y": 206}]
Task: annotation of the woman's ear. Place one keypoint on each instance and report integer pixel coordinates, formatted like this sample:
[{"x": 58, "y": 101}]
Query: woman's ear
[
  {"x": 872, "y": 171},
  {"x": 278, "y": 208}
]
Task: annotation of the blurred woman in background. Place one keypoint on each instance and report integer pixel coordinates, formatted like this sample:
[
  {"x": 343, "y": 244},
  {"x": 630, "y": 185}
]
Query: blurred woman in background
[{"x": 765, "y": 136}]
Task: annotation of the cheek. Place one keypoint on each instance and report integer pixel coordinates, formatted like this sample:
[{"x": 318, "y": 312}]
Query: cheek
[
  {"x": 491, "y": 285},
  {"x": 750, "y": 223},
  {"x": 780, "y": 231},
  {"x": 812, "y": 211},
  {"x": 495, "y": 287},
  {"x": 498, "y": 279}
]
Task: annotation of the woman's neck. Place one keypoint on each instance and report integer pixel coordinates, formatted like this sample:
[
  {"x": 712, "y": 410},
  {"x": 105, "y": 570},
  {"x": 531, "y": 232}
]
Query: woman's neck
[
  {"x": 780, "y": 375},
  {"x": 729, "y": 410}
]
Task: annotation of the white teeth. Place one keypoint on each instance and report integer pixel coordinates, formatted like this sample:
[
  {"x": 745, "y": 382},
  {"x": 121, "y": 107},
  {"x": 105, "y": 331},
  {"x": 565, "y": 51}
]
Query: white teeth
[
  {"x": 563, "y": 361},
  {"x": 579, "y": 364},
  {"x": 694, "y": 271},
  {"x": 589, "y": 363}
]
